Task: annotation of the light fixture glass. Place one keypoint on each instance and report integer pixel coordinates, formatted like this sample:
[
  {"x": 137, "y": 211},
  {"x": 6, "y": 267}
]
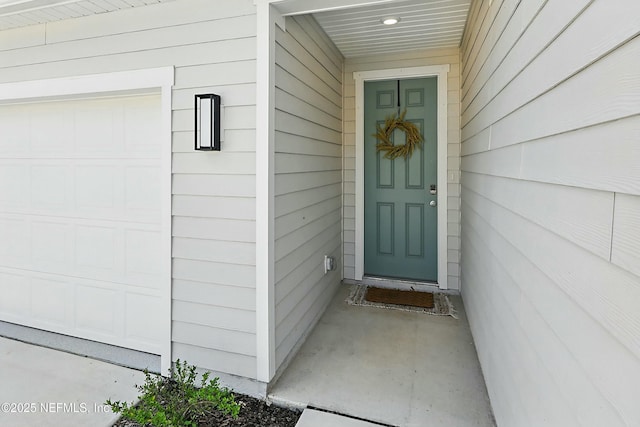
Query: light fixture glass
[
  {"x": 391, "y": 20},
  {"x": 207, "y": 122}
]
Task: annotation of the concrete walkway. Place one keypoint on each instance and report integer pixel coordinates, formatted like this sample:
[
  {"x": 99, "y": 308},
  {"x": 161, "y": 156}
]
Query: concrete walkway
[
  {"x": 391, "y": 367},
  {"x": 397, "y": 368},
  {"x": 44, "y": 387},
  {"x": 314, "y": 418}
]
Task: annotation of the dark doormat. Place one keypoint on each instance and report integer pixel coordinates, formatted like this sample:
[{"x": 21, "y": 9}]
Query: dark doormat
[
  {"x": 398, "y": 297},
  {"x": 442, "y": 305}
]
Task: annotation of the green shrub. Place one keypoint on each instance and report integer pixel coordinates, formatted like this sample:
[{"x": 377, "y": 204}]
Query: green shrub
[{"x": 177, "y": 400}]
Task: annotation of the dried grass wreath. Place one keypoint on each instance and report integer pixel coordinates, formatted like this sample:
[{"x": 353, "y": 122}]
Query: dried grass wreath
[{"x": 414, "y": 138}]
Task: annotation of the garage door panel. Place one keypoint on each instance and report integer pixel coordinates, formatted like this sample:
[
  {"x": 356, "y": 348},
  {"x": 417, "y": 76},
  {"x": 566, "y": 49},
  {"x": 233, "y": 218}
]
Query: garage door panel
[
  {"x": 117, "y": 314},
  {"x": 16, "y": 296},
  {"x": 13, "y": 186},
  {"x": 130, "y": 256},
  {"x": 82, "y": 248},
  {"x": 51, "y": 131},
  {"x": 14, "y": 235},
  {"x": 139, "y": 122},
  {"x": 142, "y": 186},
  {"x": 98, "y": 129},
  {"x": 96, "y": 251},
  {"x": 49, "y": 302},
  {"x": 95, "y": 188},
  {"x": 80, "y": 219},
  {"x": 142, "y": 257},
  {"x": 15, "y": 126},
  {"x": 50, "y": 247},
  {"x": 142, "y": 324},
  {"x": 96, "y": 311},
  {"x": 50, "y": 188}
]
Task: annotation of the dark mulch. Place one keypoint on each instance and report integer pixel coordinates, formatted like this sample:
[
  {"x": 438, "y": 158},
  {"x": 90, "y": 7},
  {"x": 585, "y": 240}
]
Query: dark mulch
[{"x": 254, "y": 413}]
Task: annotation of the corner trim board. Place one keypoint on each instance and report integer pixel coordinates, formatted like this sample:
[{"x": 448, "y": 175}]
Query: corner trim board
[{"x": 267, "y": 17}]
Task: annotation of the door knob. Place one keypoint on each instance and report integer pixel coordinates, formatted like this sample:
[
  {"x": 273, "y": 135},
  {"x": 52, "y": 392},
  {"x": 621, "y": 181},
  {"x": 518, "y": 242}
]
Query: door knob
[{"x": 433, "y": 203}]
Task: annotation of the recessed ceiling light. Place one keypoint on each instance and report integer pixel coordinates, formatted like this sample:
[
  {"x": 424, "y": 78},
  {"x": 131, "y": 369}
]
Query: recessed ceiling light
[{"x": 390, "y": 20}]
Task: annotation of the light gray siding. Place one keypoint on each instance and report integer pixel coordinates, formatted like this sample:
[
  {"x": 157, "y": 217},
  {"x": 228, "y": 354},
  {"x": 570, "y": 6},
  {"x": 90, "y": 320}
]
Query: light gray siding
[
  {"x": 550, "y": 208},
  {"x": 308, "y": 187},
  {"x": 417, "y": 58},
  {"x": 212, "y": 46}
]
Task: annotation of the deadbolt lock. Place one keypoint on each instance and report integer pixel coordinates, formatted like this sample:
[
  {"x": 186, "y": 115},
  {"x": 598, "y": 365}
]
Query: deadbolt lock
[{"x": 433, "y": 189}]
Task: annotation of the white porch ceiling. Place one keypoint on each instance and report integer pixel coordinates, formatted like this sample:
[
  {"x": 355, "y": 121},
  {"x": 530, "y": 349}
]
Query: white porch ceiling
[
  {"x": 356, "y": 31},
  {"x": 20, "y": 13},
  {"x": 423, "y": 24}
]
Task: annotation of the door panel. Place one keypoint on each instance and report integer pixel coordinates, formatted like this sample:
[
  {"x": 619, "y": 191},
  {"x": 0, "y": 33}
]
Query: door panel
[{"x": 400, "y": 223}]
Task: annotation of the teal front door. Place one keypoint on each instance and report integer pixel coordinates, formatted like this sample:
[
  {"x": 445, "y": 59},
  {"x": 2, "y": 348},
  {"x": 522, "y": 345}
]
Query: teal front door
[{"x": 400, "y": 213}]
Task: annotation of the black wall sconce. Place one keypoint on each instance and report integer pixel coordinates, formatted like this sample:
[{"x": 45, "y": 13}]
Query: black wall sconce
[{"x": 207, "y": 122}]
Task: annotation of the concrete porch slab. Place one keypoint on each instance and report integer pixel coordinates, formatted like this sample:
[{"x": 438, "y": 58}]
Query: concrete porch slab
[
  {"x": 45, "y": 387},
  {"x": 387, "y": 366},
  {"x": 313, "y": 418}
]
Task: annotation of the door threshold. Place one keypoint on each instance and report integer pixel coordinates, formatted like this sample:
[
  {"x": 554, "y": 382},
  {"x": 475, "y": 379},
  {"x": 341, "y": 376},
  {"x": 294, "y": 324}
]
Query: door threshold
[{"x": 404, "y": 284}]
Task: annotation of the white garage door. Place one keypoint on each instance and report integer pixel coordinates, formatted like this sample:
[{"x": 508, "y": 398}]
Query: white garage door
[{"x": 80, "y": 219}]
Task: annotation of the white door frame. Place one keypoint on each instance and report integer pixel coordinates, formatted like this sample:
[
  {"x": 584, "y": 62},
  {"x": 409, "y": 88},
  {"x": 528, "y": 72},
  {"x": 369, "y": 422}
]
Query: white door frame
[
  {"x": 152, "y": 80},
  {"x": 439, "y": 71}
]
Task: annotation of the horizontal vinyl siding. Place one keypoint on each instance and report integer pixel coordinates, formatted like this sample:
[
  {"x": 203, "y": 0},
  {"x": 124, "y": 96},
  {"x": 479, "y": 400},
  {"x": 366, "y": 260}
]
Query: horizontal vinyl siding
[
  {"x": 550, "y": 202},
  {"x": 418, "y": 58},
  {"x": 308, "y": 179},
  {"x": 211, "y": 44}
]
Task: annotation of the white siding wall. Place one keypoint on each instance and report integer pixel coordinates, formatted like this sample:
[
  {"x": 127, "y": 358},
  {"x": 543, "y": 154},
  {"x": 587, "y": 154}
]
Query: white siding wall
[
  {"x": 308, "y": 187},
  {"x": 212, "y": 46},
  {"x": 551, "y": 201},
  {"x": 401, "y": 60}
]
